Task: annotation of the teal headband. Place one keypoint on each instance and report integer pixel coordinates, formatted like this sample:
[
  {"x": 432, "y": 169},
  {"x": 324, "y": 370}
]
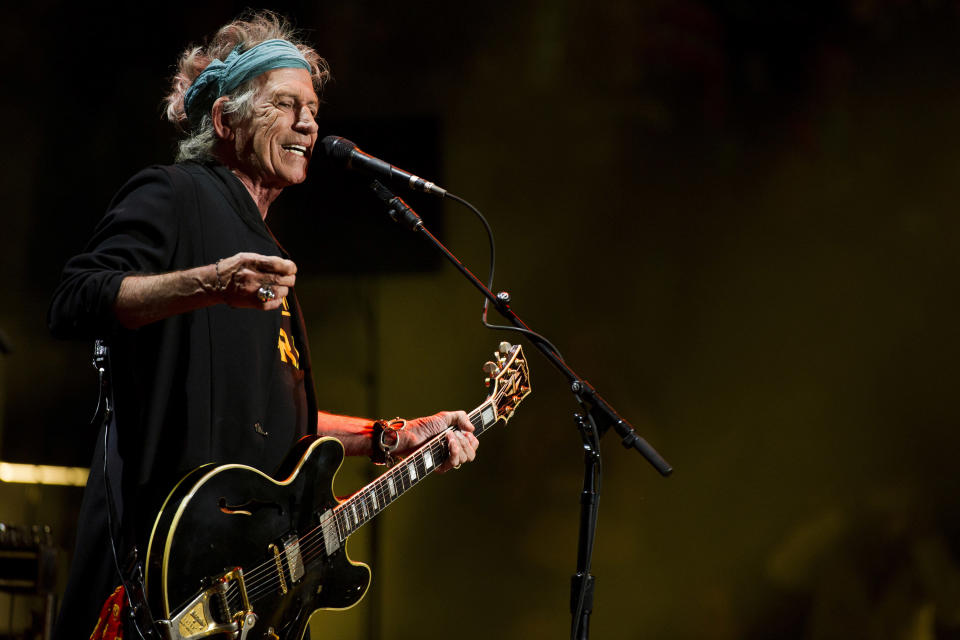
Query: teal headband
[{"x": 222, "y": 77}]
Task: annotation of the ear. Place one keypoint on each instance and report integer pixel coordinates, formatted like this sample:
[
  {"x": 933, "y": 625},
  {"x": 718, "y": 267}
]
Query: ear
[{"x": 221, "y": 126}]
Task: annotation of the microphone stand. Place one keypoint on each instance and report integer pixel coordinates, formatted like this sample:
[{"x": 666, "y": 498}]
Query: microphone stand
[{"x": 594, "y": 420}]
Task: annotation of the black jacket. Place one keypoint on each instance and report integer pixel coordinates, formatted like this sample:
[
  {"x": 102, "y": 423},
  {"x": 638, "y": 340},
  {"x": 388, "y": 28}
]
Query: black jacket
[{"x": 189, "y": 390}]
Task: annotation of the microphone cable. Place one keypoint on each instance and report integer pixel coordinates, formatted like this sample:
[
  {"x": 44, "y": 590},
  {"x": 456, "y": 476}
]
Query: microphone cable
[{"x": 493, "y": 260}]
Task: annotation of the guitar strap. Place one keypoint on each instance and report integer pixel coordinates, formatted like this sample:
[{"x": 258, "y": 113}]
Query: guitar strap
[{"x": 137, "y": 611}]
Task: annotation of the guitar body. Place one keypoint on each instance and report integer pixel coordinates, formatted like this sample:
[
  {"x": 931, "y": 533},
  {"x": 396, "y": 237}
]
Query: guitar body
[
  {"x": 221, "y": 517},
  {"x": 237, "y": 554}
]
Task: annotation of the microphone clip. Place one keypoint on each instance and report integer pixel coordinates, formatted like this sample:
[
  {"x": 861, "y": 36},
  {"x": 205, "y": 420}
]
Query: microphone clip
[{"x": 398, "y": 210}]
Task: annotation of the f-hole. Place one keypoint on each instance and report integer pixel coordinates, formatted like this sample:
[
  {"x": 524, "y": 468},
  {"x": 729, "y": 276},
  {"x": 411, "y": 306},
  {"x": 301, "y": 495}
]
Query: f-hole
[{"x": 247, "y": 508}]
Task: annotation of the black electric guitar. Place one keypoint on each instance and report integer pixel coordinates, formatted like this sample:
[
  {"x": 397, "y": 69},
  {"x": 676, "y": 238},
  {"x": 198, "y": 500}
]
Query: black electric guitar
[{"x": 237, "y": 554}]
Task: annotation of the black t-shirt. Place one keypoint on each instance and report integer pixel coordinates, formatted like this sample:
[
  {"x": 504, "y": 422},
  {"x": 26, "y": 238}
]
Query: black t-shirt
[{"x": 287, "y": 413}]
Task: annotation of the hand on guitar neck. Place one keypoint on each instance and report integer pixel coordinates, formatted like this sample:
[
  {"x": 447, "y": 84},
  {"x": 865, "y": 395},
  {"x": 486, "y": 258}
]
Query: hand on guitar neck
[
  {"x": 357, "y": 437},
  {"x": 461, "y": 442}
]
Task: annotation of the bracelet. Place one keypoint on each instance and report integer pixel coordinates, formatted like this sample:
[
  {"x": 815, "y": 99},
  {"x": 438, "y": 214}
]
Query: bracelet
[{"x": 381, "y": 449}]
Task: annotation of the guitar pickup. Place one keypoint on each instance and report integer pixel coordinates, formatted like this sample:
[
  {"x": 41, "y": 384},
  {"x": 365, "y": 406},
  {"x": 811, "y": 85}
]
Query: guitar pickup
[
  {"x": 291, "y": 549},
  {"x": 331, "y": 536}
]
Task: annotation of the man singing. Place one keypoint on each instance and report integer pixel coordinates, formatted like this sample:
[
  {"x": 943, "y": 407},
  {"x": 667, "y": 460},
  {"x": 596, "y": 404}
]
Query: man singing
[{"x": 185, "y": 282}]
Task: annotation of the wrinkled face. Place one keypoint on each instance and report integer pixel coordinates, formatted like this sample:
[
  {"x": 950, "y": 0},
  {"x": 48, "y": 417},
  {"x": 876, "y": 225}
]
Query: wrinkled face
[{"x": 274, "y": 145}]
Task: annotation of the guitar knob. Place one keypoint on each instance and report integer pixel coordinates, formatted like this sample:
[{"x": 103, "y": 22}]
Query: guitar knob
[
  {"x": 505, "y": 347},
  {"x": 490, "y": 368}
]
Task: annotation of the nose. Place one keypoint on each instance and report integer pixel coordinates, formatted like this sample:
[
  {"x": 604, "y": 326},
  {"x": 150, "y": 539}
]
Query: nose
[{"x": 305, "y": 122}]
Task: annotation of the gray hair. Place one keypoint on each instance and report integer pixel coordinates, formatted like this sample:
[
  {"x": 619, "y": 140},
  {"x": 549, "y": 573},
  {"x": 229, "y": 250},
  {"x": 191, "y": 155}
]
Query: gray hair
[
  {"x": 199, "y": 143},
  {"x": 249, "y": 30}
]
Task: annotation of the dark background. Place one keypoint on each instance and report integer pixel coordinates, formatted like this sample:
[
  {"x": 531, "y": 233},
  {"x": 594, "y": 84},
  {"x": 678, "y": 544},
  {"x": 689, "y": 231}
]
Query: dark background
[{"x": 736, "y": 219}]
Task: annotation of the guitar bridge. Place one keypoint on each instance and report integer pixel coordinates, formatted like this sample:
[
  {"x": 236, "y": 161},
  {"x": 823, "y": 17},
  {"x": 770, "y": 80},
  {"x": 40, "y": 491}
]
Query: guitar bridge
[{"x": 208, "y": 614}]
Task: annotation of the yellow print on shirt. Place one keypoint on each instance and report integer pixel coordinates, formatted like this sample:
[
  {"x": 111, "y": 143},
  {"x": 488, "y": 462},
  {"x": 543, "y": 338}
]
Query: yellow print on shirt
[{"x": 288, "y": 350}]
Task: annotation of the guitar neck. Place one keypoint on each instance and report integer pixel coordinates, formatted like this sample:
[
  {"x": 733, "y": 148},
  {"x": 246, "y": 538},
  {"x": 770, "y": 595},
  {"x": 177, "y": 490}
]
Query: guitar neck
[{"x": 364, "y": 505}]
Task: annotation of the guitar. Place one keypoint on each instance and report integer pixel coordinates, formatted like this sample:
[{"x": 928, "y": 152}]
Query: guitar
[{"x": 235, "y": 553}]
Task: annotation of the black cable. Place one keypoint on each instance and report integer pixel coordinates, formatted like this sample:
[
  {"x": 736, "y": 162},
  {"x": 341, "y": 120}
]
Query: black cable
[
  {"x": 109, "y": 493},
  {"x": 101, "y": 362},
  {"x": 486, "y": 301}
]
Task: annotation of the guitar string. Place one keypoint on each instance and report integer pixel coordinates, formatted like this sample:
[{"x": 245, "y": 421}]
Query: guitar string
[
  {"x": 258, "y": 583},
  {"x": 340, "y": 519},
  {"x": 312, "y": 547},
  {"x": 376, "y": 497},
  {"x": 264, "y": 578},
  {"x": 310, "y": 539},
  {"x": 375, "y": 494},
  {"x": 310, "y": 542},
  {"x": 310, "y": 550}
]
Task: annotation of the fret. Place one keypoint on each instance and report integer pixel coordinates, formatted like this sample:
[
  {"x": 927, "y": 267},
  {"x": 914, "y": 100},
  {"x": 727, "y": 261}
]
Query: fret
[
  {"x": 476, "y": 419},
  {"x": 392, "y": 484},
  {"x": 374, "y": 498},
  {"x": 488, "y": 416},
  {"x": 438, "y": 452}
]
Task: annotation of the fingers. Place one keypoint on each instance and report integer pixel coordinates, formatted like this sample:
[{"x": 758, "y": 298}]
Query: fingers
[
  {"x": 462, "y": 447},
  {"x": 460, "y": 420},
  {"x": 461, "y": 442},
  {"x": 273, "y": 264},
  {"x": 454, "y": 426},
  {"x": 256, "y": 281},
  {"x": 286, "y": 281},
  {"x": 256, "y": 294},
  {"x": 259, "y": 263},
  {"x": 265, "y": 266}
]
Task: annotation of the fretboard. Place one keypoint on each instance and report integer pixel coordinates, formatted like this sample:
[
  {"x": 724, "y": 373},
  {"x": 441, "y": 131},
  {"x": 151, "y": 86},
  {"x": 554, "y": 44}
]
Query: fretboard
[{"x": 364, "y": 505}]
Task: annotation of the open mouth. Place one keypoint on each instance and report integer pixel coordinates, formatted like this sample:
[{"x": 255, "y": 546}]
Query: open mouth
[{"x": 300, "y": 150}]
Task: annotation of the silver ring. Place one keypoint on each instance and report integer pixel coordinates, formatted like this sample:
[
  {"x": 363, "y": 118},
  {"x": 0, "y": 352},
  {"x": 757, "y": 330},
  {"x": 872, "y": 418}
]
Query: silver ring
[{"x": 265, "y": 294}]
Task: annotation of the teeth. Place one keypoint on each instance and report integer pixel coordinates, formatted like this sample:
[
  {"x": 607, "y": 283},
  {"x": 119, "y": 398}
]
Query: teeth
[{"x": 296, "y": 148}]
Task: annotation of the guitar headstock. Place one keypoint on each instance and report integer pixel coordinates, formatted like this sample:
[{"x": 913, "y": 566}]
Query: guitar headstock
[{"x": 509, "y": 376}]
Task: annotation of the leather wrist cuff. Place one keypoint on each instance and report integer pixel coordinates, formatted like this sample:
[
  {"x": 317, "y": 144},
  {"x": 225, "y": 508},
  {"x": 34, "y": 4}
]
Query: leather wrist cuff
[{"x": 385, "y": 440}]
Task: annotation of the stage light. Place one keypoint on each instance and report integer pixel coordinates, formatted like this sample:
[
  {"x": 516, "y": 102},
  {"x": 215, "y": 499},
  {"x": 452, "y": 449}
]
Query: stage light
[{"x": 43, "y": 474}]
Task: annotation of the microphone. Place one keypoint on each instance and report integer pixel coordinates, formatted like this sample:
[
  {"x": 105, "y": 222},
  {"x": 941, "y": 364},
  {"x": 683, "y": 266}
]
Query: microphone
[{"x": 347, "y": 154}]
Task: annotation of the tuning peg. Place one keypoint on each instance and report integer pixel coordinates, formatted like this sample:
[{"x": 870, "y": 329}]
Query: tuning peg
[
  {"x": 505, "y": 347},
  {"x": 491, "y": 369}
]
